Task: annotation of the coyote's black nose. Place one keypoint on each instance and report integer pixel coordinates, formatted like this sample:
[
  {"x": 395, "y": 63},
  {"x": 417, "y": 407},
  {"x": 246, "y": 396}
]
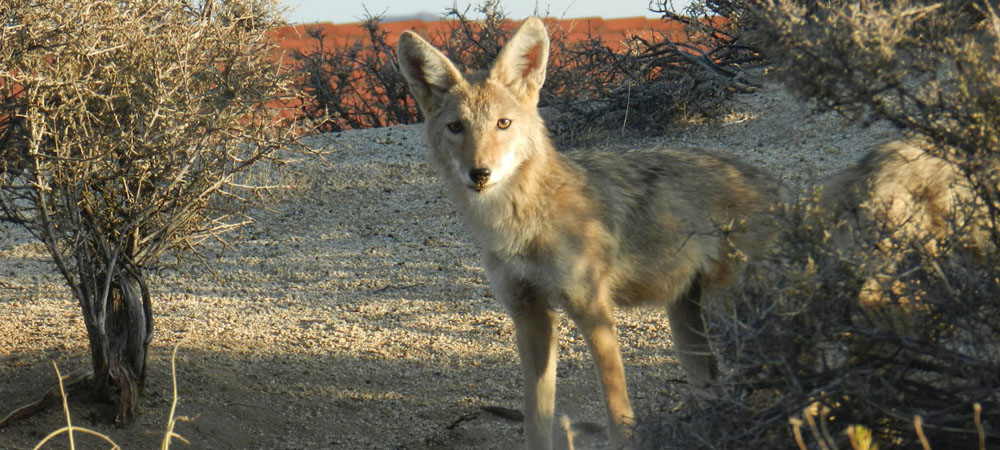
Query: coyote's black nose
[{"x": 479, "y": 176}]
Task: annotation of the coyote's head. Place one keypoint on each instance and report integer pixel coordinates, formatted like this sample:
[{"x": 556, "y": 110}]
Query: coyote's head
[{"x": 482, "y": 127}]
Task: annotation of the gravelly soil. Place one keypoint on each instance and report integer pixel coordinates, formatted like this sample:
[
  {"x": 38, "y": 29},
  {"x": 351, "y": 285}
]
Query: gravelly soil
[{"x": 354, "y": 313}]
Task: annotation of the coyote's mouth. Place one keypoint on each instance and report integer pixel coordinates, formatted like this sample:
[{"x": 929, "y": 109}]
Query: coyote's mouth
[{"x": 478, "y": 187}]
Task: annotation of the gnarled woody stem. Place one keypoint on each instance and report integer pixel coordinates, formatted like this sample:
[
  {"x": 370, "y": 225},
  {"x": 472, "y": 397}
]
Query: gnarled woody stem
[{"x": 120, "y": 328}]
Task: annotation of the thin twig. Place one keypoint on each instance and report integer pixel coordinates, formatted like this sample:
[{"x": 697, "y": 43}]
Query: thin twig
[
  {"x": 977, "y": 410},
  {"x": 918, "y": 424},
  {"x": 69, "y": 428},
  {"x": 568, "y": 428},
  {"x": 171, "y": 420},
  {"x": 797, "y": 431}
]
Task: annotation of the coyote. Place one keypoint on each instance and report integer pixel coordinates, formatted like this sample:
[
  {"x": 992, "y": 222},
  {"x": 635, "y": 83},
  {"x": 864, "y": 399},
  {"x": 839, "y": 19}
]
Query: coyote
[{"x": 581, "y": 232}]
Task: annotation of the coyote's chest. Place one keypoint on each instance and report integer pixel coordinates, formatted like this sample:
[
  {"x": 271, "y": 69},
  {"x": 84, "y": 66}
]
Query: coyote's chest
[
  {"x": 501, "y": 227},
  {"x": 556, "y": 244}
]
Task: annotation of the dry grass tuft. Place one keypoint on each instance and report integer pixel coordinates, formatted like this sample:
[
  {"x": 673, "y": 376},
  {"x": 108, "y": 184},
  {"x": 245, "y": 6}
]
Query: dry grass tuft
[{"x": 70, "y": 428}]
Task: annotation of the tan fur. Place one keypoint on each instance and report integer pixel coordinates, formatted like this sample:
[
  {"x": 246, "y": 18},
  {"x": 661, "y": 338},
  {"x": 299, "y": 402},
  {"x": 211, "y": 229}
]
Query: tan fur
[
  {"x": 902, "y": 198},
  {"x": 581, "y": 232},
  {"x": 917, "y": 197}
]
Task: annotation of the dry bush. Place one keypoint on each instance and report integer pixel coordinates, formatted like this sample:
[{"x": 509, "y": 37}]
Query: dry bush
[
  {"x": 930, "y": 67},
  {"x": 648, "y": 84},
  {"x": 356, "y": 86},
  {"x": 126, "y": 132},
  {"x": 796, "y": 341},
  {"x": 591, "y": 88},
  {"x": 473, "y": 44},
  {"x": 871, "y": 314}
]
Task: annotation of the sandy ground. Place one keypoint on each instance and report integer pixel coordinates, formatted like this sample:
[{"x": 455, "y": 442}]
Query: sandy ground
[{"x": 355, "y": 315}]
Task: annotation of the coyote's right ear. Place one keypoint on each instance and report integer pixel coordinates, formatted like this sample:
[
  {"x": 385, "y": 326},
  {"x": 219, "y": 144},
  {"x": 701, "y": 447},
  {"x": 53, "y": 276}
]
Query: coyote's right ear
[
  {"x": 427, "y": 71},
  {"x": 522, "y": 61}
]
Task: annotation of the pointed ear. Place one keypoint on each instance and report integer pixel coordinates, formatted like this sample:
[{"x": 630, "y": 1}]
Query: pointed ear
[
  {"x": 522, "y": 61},
  {"x": 427, "y": 71}
]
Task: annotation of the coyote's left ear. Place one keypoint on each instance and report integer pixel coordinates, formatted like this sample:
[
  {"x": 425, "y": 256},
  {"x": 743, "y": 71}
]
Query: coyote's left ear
[{"x": 521, "y": 64}]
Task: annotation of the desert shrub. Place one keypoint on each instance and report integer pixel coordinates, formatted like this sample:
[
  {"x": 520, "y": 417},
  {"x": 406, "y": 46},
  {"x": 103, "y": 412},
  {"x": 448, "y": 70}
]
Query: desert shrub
[
  {"x": 127, "y": 129},
  {"x": 851, "y": 330},
  {"x": 648, "y": 84},
  {"x": 473, "y": 44},
  {"x": 931, "y": 68},
  {"x": 798, "y": 345},
  {"x": 358, "y": 85},
  {"x": 591, "y": 88}
]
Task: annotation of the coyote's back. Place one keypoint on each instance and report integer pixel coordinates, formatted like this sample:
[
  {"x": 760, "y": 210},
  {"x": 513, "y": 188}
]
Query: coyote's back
[
  {"x": 585, "y": 231},
  {"x": 675, "y": 217}
]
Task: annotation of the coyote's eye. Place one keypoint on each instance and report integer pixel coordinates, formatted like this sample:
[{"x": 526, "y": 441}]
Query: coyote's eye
[
  {"x": 455, "y": 127},
  {"x": 503, "y": 124}
]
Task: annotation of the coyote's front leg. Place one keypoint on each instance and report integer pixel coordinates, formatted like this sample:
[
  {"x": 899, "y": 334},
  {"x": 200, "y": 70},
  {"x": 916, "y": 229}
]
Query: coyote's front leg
[
  {"x": 595, "y": 319},
  {"x": 537, "y": 347}
]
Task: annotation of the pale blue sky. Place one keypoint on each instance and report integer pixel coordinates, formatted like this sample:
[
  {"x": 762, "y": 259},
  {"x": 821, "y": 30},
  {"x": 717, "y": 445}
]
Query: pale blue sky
[{"x": 340, "y": 11}]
